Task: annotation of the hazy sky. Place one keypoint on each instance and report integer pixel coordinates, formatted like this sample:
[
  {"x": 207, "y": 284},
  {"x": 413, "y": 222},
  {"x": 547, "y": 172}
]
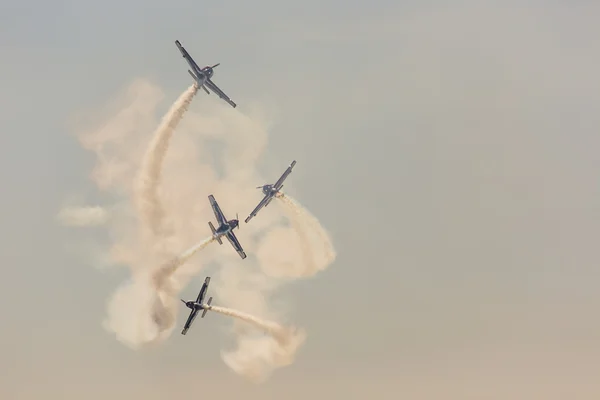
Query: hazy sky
[{"x": 451, "y": 150}]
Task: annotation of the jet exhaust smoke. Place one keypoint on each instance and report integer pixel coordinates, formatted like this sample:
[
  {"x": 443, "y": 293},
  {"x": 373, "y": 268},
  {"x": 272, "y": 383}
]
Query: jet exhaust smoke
[
  {"x": 150, "y": 207},
  {"x": 144, "y": 310},
  {"x": 145, "y": 227},
  {"x": 275, "y": 352},
  {"x": 167, "y": 270},
  {"x": 309, "y": 222},
  {"x": 317, "y": 250}
]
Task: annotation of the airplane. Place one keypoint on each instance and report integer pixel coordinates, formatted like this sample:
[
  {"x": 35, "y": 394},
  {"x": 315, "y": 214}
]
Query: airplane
[
  {"x": 270, "y": 191},
  {"x": 202, "y": 76},
  {"x": 196, "y": 306},
  {"x": 225, "y": 227}
]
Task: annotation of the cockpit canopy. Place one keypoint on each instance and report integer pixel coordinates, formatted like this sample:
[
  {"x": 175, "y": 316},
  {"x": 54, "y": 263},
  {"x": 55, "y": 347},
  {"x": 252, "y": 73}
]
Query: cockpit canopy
[
  {"x": 208, "y": 71},
  {"x": 267, "y": 189}
]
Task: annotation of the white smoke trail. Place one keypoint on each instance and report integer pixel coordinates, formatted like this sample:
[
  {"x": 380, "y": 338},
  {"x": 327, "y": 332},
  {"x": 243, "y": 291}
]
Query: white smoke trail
[
  {"x": 316, "y": 248},
  {"x": 272, "y": 328},
  {"x": 167, "y": 270},
  {"x": 150, "y": 208},
  {"x": 144, "y": 310},
  {"x": 150, "y": 293},
  {"x": 262, "y": 354},
  {"x": 311, "y": 223}
]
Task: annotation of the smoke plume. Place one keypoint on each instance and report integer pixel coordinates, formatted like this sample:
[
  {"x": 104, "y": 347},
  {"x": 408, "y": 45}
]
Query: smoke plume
[
  {"x": 144, "y": 310},
  {"x": 267, "y": 353},
  {"x": 215, "y": 151},
  {"x": 150, "y": 207}
]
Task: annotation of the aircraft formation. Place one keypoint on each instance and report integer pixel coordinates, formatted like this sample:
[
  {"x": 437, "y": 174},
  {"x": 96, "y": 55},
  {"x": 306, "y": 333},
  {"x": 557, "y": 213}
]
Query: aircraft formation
[{"x": 202, "y": 77}]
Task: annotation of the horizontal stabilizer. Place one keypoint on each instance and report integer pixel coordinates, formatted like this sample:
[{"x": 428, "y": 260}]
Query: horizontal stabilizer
[
  {"x": 214, "y": 232},
  {"x": 193, "y": 76},
  {"x": 206, "y": 309}
]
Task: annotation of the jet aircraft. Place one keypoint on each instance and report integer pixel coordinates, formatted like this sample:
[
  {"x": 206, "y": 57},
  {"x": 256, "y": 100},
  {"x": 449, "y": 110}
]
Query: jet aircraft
[
  {"x": 225, "y": 227},
  {"x": 202, "y": 76},
  {"x": 197, "y": 305},
  {"x": 270, "y": 191}
]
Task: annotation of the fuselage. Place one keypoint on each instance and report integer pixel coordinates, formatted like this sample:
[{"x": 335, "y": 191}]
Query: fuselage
[
  {"x": 193, "y": 305},
  {"x": 269, "y": 190},
  {"x": 204, "y": 74},
  {"x": 225, "y": 228}
]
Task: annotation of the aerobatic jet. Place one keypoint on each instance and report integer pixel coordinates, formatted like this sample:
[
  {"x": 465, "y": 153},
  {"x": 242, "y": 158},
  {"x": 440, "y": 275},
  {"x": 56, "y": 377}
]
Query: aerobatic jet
[
  {"x": 197, "y": 305},
  {"x": 225, "y": 227},
  {"x": 202, "y": 75},
  {"x": 270, "y": 191}
]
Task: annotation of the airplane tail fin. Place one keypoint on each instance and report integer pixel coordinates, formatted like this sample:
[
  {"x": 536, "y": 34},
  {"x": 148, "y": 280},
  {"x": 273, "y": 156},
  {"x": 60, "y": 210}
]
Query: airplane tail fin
[
  {"x": 196, "y": 79},
  {"x": 238, "y": 218},
  {"x": 214, "y": 232},
  {"x": 206, "y": 309}
]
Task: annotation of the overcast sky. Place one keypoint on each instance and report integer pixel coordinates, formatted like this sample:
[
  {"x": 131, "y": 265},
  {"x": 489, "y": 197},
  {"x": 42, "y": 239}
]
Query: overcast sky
[{"x": 451, "y": 150}]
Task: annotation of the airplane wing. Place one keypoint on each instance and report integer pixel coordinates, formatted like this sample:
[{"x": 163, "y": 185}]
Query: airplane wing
[
  {"x": 189, "y": 321},
  {"x": 236, "y": 244},
  {"x": 203, "y": 290},
  {"x": 214, "y": 88},
  {"x": 188, "y": 58},
  {"x": 260, "y": 205},
  {"x": 217, "y": 210},
  {"x": 288, "y": 171}
]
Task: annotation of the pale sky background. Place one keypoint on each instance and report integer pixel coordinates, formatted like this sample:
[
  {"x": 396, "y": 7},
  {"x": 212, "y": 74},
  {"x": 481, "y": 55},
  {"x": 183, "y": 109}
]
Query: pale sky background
[{"x": 451, "y": 149}]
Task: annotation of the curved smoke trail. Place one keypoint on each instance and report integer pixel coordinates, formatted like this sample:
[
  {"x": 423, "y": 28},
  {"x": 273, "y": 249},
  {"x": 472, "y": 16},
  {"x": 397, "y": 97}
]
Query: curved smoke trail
[
  {"x": 150, "y": 208},
  {"x": 263, "y": 354},
  {"x": 156, "y": 288},
  {"x": 166, "y": 271},
  {"x": 144, "y": 310},
  {"x": 312, "y": 235}
]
